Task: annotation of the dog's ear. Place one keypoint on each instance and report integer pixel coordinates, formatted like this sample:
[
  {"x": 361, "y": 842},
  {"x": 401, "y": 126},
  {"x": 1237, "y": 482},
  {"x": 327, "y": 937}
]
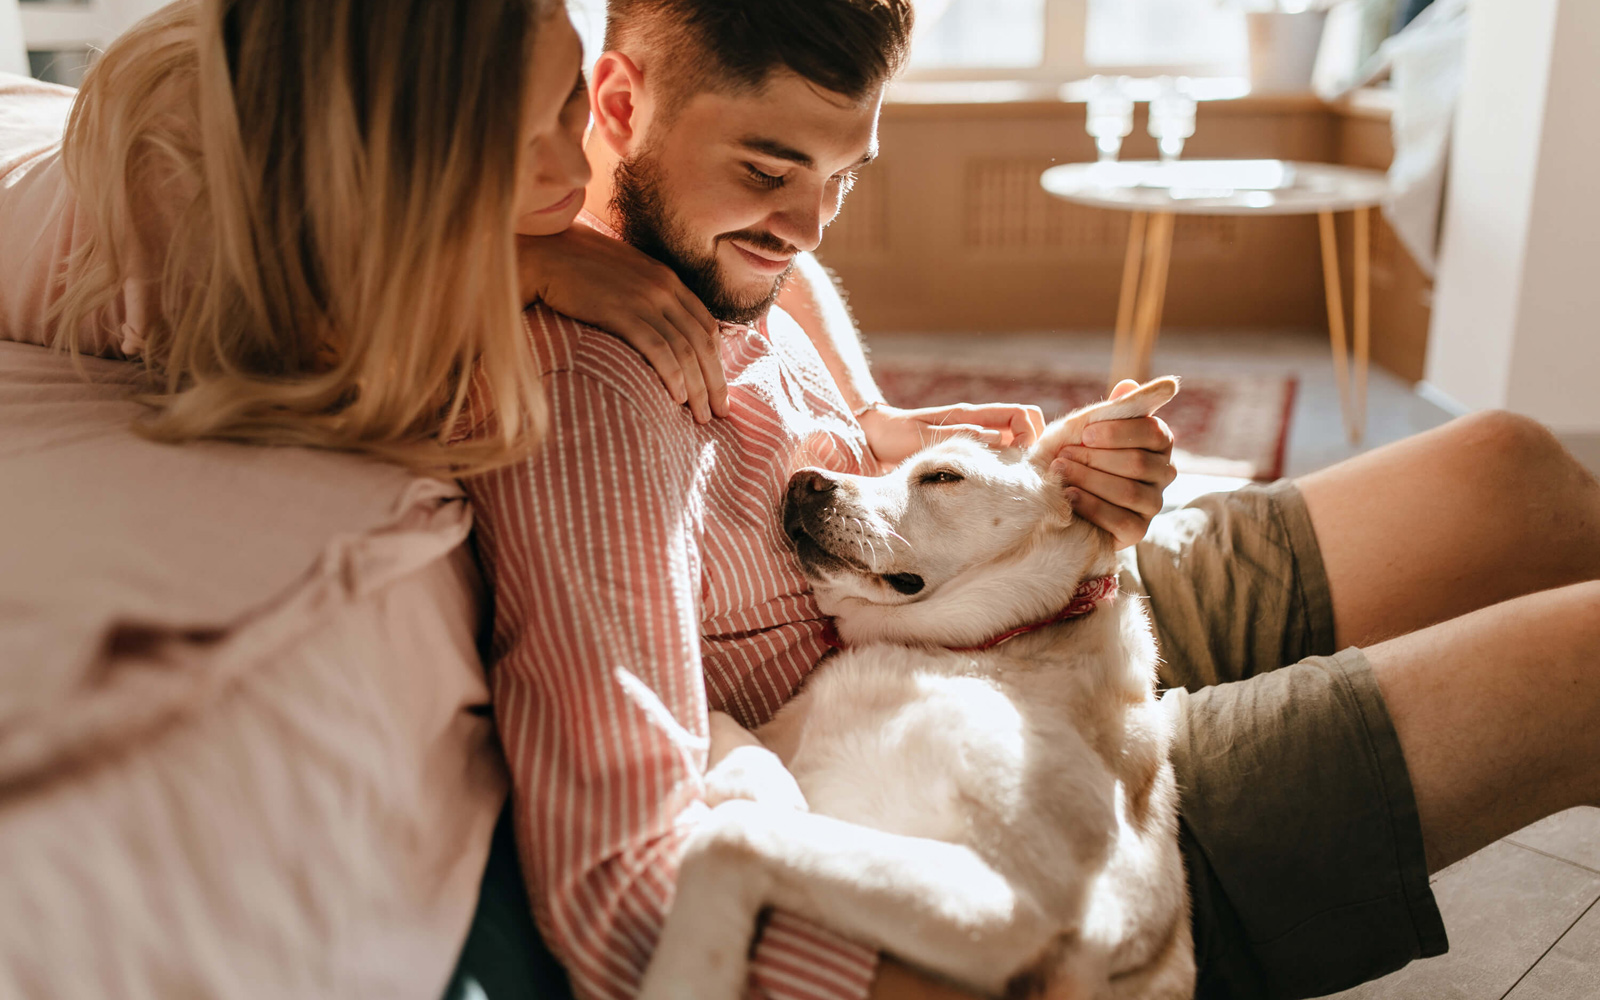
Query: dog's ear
[{"x": 1141, "y": 402}]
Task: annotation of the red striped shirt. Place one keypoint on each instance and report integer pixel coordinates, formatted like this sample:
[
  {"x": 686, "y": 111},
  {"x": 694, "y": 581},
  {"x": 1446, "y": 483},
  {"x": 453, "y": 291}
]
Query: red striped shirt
[{"x": 640, "y": 579}]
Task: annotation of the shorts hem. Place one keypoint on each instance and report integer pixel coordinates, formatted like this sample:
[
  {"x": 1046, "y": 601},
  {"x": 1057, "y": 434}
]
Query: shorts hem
[{"x": 1355, "y": 674}]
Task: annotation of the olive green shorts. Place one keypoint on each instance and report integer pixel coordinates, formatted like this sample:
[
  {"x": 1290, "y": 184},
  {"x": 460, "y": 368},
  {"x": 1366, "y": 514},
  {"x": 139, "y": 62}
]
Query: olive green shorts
[{"x": 1298, "y": 824}]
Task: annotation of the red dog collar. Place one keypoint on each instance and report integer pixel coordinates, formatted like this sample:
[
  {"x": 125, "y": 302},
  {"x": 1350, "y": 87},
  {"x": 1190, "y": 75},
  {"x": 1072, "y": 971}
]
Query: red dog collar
[{"x": 1084, "y": 600}]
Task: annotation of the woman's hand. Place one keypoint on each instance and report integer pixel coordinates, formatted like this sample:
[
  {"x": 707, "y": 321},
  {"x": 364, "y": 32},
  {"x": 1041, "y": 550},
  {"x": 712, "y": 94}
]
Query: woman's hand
[
  {"x": 894, "y": 434},
  {"x": 608, "y": 284},
  {"x": 1117, "y": 477}
]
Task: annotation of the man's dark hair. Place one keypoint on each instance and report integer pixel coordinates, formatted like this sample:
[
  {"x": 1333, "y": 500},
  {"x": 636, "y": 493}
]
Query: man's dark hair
[{"x": 846, "y": 46}]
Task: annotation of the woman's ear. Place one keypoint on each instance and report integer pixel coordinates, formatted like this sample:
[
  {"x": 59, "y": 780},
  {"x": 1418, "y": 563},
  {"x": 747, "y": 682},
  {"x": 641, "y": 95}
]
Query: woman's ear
[{"x": 616, "y": 91}]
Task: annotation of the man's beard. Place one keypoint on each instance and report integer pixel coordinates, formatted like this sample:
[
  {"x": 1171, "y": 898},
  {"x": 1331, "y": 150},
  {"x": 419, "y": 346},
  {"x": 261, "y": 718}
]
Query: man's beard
[{"x": 640, "y": 213}]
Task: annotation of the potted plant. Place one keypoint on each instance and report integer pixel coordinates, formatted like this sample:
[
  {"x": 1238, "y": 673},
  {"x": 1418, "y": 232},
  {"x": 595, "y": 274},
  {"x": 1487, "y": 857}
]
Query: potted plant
[{"x": 1284, "y": 38}]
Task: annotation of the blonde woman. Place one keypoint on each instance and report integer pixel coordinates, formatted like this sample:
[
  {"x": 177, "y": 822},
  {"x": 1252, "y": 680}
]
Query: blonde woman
[{"x": 309, "y": 221}]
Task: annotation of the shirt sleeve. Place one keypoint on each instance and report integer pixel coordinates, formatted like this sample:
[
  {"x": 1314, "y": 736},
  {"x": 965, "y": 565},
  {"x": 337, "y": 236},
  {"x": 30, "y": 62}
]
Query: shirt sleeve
[{"x": 599, "y": 693}]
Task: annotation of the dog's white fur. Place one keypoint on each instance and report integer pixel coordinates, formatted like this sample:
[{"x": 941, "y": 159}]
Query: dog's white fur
[{"x": 1004, "y": 819}]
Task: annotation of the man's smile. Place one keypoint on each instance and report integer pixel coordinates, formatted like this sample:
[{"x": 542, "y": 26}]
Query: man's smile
[{"x": 763, "y": 261}]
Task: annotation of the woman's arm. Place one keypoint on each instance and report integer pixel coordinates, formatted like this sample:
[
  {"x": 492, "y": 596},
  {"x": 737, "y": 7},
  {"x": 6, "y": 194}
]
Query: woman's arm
[
  {"x": 815, "y": 301},
  {"x": 609, "y": 285}
]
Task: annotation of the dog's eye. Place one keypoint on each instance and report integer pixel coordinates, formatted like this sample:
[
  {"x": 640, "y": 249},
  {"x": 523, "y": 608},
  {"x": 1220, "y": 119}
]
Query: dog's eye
[{"x": 940, "y": 476}]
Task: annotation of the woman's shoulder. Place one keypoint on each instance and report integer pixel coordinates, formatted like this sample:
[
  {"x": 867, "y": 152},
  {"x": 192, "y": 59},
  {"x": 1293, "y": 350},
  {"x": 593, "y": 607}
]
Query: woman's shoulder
[
  {"x": 37, "y": 211},
  {"x": 32, "y": 117}
]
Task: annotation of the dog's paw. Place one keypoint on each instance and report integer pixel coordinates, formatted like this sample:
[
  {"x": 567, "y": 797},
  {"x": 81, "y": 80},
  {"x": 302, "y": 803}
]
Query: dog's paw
[{"x": 754, "y": 773}]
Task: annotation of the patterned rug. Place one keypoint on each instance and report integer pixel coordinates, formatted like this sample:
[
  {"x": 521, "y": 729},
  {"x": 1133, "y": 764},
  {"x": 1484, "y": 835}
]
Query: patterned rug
[{"x": 1224, "y": 426}]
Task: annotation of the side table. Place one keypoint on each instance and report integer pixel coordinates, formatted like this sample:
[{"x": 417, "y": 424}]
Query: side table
[{"x": 1156, "y": 193}]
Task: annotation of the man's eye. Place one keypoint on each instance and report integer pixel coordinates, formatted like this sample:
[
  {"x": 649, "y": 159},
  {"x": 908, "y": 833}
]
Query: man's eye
[
  {"x": 764, "y": 179},
  {"x": 939, "y": 476}
]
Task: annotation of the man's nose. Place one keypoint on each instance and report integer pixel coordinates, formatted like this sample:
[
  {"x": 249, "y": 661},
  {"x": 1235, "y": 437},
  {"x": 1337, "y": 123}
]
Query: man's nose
[
  {"x": 801, "y": 222},
  {"x": 810, "y": 487}
]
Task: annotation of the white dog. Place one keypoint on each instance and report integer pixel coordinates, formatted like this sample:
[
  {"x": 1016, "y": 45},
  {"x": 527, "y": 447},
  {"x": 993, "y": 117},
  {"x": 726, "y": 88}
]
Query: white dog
[{"x": 985, "y": 762}]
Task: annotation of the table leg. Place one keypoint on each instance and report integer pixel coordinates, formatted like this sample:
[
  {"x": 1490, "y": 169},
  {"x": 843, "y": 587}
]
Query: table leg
[
  {"x": 1122, "y": 347},
  {"x": 1335, "y": 294},
  {"x": 1152, "y": 292},
  {"x": 1363, "y": 311}
]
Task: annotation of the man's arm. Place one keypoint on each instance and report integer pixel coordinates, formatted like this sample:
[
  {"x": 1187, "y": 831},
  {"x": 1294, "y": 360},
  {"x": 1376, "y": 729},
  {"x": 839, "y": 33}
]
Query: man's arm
[
  {"x": 813, "y": 298},
  {"x": 599, "y": 695},
  {"x": 1121, "y": 476}
]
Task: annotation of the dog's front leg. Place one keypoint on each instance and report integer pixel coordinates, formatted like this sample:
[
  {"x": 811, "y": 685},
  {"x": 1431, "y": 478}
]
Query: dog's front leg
[
  {"x": 935, "y": 905},
  {"x": 701, "y": 954}
]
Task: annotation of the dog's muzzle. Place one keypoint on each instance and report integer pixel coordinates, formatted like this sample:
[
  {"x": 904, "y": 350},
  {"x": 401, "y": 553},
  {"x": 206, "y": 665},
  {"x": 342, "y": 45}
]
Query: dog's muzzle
[
  {"x": 811, "y": 492},
  {"x": 808, "y": 503}
]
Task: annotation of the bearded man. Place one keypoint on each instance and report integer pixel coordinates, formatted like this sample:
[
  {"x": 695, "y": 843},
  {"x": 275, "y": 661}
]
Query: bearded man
[{"x": 642, "y": 581}]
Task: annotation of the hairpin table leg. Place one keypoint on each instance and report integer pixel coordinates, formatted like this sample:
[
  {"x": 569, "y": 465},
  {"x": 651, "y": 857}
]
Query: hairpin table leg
[
  {"x": 1335, "y": 294},
  {"x": 1152, "y": 292},
  {"x": 1363, "y": 311},
  {"x": 1122, "y": 347}
]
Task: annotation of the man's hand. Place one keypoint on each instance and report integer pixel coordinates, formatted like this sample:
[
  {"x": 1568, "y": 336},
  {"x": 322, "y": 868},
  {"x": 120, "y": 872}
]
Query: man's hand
[
  {"x": 1117, "y": 477},
  {"x": 610, "y": 285},
  {"x": 894, "y": 434}
]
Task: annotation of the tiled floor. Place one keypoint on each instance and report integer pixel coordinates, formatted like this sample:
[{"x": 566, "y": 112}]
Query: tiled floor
[{"x": 1523, "y": 915}]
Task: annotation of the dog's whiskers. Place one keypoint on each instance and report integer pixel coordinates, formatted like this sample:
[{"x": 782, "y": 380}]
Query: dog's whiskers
[
  {"x": 864, "y": 540},
  {"x": 870, "y": 540}
]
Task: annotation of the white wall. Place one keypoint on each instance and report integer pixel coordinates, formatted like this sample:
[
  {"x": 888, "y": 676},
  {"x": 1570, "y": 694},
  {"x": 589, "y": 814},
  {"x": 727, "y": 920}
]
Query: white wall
[
  {"x": 1555, "y": 368},
  {"x": 1517, "y": 305},
  {"x": 13, "y": 54}
]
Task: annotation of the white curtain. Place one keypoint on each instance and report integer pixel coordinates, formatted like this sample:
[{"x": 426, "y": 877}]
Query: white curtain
[
  {"x": 13, "y": 53},
  {"x": 1427, "y": 68}
]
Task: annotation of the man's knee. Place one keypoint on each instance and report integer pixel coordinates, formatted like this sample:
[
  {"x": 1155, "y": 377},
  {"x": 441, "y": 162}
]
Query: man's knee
[
  {"x": 1516, "y": 449},
  {"x": 1587, "y": 595}
]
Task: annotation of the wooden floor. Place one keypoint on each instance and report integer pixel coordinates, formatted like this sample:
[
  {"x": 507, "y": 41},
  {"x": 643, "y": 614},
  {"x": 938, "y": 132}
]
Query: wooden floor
[{"x": 1522, "y": 914}]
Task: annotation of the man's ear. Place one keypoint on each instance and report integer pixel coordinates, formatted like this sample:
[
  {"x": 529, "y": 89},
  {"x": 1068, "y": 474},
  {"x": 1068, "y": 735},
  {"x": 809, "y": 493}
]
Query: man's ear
[
  {"x": 1141, "y": 402},
  {"x": 616, "y": 92}
]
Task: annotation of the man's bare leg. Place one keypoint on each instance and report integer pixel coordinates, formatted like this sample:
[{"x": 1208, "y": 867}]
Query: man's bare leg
[
  {"x": 1481, "y": 510},
  {"x": 1498, "y": 714}
]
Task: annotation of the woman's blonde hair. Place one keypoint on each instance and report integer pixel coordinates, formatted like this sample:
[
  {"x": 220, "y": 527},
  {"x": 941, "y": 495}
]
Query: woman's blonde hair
[{"x": 320, "y": 197}]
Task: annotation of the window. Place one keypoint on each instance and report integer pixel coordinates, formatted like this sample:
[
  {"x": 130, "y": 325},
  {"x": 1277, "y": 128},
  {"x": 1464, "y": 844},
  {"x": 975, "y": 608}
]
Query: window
[
  {"x": 1198, "y": 35},
  {"x": 63, "y": 35},
  {"x": 982, "y": 33},
  {"x": 60, "y": 37},
  {"x": 589, "y": 17},
  {"x": 1060, "y": 40}
]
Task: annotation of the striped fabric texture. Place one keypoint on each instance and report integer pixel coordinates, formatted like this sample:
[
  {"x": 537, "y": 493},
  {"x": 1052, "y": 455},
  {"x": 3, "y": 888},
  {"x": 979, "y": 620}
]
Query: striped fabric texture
[{"x": 641, "y": 579}]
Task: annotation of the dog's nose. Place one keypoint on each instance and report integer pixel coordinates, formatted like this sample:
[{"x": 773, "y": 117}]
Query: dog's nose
[{"x": 806, "y": 484}]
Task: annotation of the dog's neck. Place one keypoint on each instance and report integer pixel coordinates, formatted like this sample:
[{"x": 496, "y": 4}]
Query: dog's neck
[
  {"x": 1088, "y": 597},
  {"x": 1026, "y": 587}
]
